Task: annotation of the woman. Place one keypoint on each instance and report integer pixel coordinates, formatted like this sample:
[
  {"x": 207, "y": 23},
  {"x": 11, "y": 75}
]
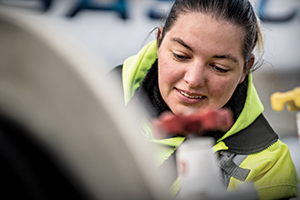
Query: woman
[{"x": 202, "y": 58}]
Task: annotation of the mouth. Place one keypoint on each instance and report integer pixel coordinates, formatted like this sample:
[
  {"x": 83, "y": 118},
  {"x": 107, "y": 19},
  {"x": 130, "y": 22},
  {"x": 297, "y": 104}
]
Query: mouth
[{"x": 190, "y": 96}]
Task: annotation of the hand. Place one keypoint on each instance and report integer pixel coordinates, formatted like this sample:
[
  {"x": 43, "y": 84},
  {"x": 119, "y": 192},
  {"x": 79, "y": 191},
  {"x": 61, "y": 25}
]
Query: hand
[{"x": 199, "y": 122}]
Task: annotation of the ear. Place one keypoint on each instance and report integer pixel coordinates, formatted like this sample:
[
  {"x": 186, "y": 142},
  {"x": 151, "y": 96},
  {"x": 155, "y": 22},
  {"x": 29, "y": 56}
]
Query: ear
[
  {"x": 250, "y": 64},
  {"x": 159, "y": 36}
]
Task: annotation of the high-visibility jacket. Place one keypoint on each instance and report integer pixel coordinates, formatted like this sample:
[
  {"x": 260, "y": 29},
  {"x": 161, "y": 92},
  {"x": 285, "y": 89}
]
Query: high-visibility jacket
[{"x": 251, "y": 145}]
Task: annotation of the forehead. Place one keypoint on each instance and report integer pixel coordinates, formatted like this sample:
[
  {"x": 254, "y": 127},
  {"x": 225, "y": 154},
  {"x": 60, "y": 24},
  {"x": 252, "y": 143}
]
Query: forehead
[{"x": 203, "y": 32}]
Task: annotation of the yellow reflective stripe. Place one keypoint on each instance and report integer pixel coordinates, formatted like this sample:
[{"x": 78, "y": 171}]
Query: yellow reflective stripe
[
  {"x": 174, "y": 142},
  {"x": 220, "y": 146},
  {"x": 166, "y": 147},
  {"x": 147, "y": 129},
  {"x": 174, "y": 188},
  {"x": 163, "y": 153}
]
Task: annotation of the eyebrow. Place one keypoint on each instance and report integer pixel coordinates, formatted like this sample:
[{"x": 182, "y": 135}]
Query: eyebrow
[
  {"x": 228, "y": 57},
  {"x": 225, "y": 56},
  {"x": 180, "y": 41}
]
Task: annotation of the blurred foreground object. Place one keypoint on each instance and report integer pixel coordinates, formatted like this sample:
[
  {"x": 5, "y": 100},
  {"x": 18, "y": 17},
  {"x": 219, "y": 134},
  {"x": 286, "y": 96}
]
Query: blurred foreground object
[
  {"x": 197, "y": 123},
  {"x": 64, "y": 131},
  {"x": 200, "y": 177},
  {"x": 199, "y": 174}
]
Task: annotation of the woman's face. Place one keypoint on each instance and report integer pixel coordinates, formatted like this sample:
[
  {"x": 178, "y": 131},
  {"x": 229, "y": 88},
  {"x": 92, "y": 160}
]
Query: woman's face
[{"x": 200, "y": 63}]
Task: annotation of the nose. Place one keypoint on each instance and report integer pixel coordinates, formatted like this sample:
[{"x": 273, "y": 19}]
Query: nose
[{"x": 195, "y": 75}]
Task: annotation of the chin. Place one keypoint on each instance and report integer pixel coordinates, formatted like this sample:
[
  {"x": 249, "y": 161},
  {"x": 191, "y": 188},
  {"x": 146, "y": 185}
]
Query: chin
[{"x": 183, "y": 110}]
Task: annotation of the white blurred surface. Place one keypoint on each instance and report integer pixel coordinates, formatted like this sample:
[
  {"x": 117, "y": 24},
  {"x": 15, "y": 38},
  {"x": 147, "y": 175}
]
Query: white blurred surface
[{"x": 65, "y": 102}]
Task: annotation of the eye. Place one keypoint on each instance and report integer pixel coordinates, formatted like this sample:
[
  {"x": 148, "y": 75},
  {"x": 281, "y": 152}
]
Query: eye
[
  {"x": 219, "y": 69},
  {"x": 179, "y": 56}
]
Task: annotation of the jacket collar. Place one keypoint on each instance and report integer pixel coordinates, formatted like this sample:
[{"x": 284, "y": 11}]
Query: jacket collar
[{"x": 135, "y": 69}]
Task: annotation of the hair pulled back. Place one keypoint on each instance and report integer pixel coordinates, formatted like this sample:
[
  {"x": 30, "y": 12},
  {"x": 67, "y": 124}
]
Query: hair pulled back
[{"x": 237, "y": 12}]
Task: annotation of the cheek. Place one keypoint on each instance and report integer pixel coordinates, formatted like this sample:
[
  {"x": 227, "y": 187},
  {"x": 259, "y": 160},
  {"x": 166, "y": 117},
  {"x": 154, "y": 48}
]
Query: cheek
[
  {"x": 165, "y": 78},
  {"x": 223, "y": 90},
  {"x": 163, "y": 71},
  {"x": 224, "y": 87},
  {"x": 168, "y": 73}
]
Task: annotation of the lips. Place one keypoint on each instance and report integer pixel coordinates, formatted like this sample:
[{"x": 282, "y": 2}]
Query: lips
[{"x": 188, "y": 97}]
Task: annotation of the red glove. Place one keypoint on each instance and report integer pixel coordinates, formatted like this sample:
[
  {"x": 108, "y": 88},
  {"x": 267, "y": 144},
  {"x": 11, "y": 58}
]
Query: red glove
[{"x": 196, "y": 123}]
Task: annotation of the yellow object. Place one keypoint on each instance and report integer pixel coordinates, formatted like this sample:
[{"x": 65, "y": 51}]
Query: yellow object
[{"x": 291, "y": 98}]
